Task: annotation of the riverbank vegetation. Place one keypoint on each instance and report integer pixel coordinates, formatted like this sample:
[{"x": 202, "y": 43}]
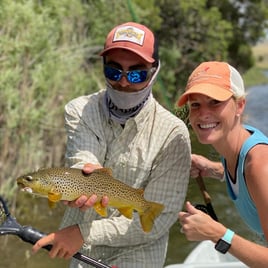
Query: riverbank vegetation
[
  {"x": 260, "y": 52},
  {"x": 49, "y": 55},
  {"x": 258, "y": 74}
]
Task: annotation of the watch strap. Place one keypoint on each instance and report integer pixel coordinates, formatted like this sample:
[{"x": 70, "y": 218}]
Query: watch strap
[
  {"x": 228, "y": 236},
  {"x": 224, "y": 243}
]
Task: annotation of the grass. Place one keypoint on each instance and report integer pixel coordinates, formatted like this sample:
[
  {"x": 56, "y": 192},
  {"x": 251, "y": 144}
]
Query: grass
[
  {"x": 261, "y": 55},
  {"x": 255, "y": 75}
]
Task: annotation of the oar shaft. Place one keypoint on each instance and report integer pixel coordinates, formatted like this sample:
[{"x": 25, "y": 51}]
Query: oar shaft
[
  {"x": 31, "y": 235},
  {"x": 203, "y": 189},
  {"x": 206, "y": 197}
]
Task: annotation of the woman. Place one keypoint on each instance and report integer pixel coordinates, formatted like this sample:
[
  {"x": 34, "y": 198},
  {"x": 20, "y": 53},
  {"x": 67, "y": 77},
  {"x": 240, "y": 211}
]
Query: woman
[{"x": 216, "y": 98}]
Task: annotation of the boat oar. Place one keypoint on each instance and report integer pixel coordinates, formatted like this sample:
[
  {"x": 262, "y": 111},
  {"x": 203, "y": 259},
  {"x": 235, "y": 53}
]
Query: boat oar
[
  {"x": 206, "y": 197},
  {"x": 9, "y": 226}
]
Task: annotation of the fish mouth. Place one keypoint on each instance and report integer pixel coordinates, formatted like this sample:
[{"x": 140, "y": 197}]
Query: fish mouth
[
  {"x": 24, "y": 188},
  {"x": 21, "y": 184},
  {"x": 27, "y": 189}
]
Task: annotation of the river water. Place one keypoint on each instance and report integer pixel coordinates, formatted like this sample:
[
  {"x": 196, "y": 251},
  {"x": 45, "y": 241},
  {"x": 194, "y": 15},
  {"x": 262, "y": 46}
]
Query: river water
[
  {"x": 15, "y": 253},
  {"x": 256, "y": 107}
]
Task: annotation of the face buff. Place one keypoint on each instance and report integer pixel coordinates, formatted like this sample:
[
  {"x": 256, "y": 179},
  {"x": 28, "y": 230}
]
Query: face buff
[{"x": 121, "y": 106}]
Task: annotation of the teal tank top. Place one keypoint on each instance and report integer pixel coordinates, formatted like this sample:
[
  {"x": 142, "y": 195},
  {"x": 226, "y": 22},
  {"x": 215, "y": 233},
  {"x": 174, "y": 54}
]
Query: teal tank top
[{"x": 243, "y": 202}]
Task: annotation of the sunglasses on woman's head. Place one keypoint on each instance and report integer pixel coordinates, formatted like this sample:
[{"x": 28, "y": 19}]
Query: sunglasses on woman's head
[{"x": 133, "y": 76}]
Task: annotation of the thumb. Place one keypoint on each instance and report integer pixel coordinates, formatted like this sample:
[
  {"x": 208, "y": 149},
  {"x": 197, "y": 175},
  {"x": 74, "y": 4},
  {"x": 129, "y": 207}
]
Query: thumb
[
  {"x": 190, "y": 208},
  {"x": 89, "y": 168}
]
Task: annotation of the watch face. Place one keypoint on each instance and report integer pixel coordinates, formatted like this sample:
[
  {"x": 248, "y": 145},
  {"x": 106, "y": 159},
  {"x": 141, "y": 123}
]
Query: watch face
[{"x": 222, "y": 246}]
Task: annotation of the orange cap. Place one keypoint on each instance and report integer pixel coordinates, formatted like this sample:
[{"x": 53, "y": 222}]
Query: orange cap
[
  {"x": 217, "y": 80},
  {"x": 133, "y": 37}
]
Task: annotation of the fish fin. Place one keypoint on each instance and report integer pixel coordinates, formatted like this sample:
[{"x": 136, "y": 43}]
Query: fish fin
[
  {"x": 104, "y": 170},
  {"x": 149, "y": 215},
  {"x": 126, "y": 211},
  {"x": 102, "y": 211},
  {"x": 51, "y": 204},
  {"x": 54, "y": 196}
]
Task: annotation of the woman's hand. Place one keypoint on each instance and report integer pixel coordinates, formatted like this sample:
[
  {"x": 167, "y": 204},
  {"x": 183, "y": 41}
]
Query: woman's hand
[
  {"x": 198, "y": 226},
  {"x": 201, "y": 166}
]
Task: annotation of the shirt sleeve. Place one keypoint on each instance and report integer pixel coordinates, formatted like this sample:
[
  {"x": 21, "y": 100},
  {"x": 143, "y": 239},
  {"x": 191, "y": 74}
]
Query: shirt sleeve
[
  {"x": 82, "y": 142},
  {"x": 167, "y": 180}
]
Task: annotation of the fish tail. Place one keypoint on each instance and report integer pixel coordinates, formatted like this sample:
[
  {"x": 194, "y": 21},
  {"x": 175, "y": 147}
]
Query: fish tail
[{"x": 149, "y": 215}]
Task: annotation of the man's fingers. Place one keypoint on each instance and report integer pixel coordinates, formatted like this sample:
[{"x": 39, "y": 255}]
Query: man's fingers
[
  {"x": 105, "y": 201},
  {"x": 68, "y": 255},
  {"x": 60, "y": 253},
  {"x": 80, "y": 202},
  {"x": 91, "y": 201},
  {"x": 57, "y": 252},
  {"x": 46, "y": 240},
  {"x": 84, "y": 202},
  {"x": 89, "y": 168}
]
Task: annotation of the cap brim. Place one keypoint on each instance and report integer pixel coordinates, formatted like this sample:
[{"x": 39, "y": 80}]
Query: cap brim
[
  {"x": 210, "y": 90},
  {"x": 148, "y": 59}
]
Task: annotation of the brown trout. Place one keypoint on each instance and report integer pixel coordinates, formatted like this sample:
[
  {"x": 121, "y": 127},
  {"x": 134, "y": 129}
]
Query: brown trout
[{"x": 69, "y": 183}]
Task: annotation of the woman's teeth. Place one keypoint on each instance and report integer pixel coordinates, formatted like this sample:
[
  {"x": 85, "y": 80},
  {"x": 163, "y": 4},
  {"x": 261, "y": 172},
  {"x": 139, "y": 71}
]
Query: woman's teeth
[{"x": 212, "y": 125}]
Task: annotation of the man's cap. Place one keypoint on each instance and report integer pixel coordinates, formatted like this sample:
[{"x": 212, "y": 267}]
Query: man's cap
[
  {"x": 134, "y": 37},
  {"x": 217, "y": 80}
]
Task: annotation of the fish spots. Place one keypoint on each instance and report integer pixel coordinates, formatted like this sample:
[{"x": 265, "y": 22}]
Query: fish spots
[{"x": 69, "y": 183}]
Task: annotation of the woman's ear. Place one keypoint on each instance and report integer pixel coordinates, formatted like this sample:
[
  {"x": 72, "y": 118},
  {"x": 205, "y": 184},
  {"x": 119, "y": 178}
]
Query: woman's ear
[{"x": 240, "y": 103}]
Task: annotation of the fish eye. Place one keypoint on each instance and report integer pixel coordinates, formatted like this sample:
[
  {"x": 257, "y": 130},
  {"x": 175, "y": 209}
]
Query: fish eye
[{"x": 29, "y": 178}]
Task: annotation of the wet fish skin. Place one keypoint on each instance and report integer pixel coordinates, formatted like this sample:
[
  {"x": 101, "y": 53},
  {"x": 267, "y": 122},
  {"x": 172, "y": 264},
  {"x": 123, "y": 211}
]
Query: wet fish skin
[{"x": 69, "y": 183}]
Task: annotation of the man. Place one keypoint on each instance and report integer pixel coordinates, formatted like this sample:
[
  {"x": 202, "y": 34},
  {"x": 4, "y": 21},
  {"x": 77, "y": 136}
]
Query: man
[{"x": 123, "y": 127}]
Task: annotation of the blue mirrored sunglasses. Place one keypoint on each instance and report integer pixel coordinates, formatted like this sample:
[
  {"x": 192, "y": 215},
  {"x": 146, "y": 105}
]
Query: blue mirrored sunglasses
[{"x": 133, "y": 76}]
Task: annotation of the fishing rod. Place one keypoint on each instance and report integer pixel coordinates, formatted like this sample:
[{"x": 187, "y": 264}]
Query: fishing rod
[
  {"x": 208, "y": 207},
  {"x": 9, "y": 226}
]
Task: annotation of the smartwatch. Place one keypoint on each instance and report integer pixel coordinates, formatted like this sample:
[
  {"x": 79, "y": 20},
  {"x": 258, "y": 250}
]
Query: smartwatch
[{"x": 224, "y": 243}]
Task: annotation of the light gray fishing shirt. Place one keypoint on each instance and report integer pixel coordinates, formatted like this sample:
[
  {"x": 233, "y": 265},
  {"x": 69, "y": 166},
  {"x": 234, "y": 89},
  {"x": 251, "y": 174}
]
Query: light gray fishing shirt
[{"x": 152, "y": 152}]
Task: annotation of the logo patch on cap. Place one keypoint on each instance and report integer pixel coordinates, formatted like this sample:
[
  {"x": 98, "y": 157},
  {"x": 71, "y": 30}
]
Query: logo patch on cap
[{"x": 130, "y": 34}]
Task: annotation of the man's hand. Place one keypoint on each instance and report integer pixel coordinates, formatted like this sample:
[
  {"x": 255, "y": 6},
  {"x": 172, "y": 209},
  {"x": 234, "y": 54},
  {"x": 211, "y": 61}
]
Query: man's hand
[
  {"x": 89, "y": 168},
  {"x": 65, "y": 243},
  {"x": 84, "y": 202}
]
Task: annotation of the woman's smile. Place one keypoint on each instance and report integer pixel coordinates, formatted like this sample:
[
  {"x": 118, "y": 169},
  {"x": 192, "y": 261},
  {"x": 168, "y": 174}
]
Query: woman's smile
[{"x": 207, "y": 125}]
